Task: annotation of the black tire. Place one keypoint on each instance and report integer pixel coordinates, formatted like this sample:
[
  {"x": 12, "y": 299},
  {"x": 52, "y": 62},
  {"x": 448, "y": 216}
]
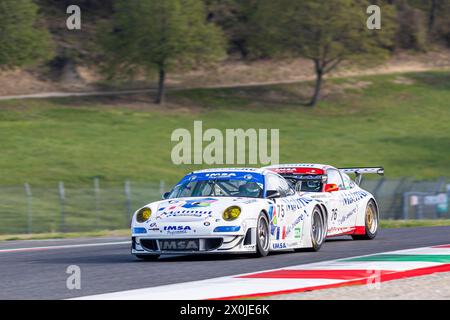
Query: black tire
[
  {"x": 318, "y": 230},
  {"x": 262, "y": 236},
  {"x": 148, "y": 257},
  {"x": 371, "y": 223}
]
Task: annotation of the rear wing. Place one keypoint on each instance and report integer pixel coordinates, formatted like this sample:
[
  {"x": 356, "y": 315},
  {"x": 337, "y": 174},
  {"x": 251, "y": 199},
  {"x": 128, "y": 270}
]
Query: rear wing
[{"x": 359, "y": 171}]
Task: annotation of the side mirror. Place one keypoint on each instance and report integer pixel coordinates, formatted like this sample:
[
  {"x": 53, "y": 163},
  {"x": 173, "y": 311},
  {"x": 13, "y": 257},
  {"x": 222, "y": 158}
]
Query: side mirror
[
  {"x": 330, "y": 187},
  {"x": 272, "y": 194},
  {"x": 166, "y": 195}
]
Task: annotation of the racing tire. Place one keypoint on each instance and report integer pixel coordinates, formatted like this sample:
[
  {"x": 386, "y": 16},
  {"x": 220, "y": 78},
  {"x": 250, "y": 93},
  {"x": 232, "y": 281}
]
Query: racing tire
[
  {"x": 148, "y": 257},
  {"x": 371, "y": 223},
  {"x": 318, "y": 230},
  {"x": 262, "y": 236}
]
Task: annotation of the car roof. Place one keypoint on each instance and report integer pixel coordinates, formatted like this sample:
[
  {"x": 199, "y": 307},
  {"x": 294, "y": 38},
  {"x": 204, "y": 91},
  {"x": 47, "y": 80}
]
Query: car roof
[{"x": 308, "y": 168}]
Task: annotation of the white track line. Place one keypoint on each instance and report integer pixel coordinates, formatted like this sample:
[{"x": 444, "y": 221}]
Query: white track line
[{"x": 68, "y": 246}]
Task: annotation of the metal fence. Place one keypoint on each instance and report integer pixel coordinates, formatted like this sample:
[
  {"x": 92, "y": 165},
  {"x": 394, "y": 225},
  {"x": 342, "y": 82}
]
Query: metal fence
[
  {"x": 66, "y": 208},
  {"x": 406, "y": 198},
  {"x": 107, "y": 206}
]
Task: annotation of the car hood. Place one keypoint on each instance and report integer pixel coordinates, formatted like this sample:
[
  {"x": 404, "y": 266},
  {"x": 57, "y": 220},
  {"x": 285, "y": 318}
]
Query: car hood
[{"x": 196, "y": 208}]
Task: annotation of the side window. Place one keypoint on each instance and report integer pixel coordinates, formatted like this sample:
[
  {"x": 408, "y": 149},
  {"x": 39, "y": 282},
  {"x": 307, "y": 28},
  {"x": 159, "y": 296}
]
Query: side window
[
  {"x": 348, "y": 182},
  {"x": 286, "y": 187},
  {"x": 335, "y": 177},
  {"x": 274, "y": 182}
]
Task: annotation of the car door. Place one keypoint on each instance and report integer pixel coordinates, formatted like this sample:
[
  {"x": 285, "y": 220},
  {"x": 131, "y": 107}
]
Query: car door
[
  {"x": 336, "y": 220},
  {"x": 284, "y": 213}
]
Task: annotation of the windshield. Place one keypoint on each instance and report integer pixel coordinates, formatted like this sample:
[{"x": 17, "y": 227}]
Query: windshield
[
  {"x": 231, "y": 184},
  {"x": 306, "y": 183}
]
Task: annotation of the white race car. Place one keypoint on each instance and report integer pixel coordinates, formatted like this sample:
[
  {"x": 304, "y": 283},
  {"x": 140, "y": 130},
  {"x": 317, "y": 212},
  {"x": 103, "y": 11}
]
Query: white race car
[
  {"x": 350, "y": 209},
  {"x": 236, "y": 211}
]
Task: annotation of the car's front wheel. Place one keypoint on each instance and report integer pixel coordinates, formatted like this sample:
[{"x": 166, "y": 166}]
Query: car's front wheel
[
  {"x": 262, "y": 236},
  {"x": 148, "y": 257},
  {"x": 318, "y": 229}
]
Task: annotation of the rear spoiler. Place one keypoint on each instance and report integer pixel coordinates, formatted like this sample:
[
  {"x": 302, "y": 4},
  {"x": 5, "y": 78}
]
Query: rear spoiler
[{"x": 363, "y": 170}]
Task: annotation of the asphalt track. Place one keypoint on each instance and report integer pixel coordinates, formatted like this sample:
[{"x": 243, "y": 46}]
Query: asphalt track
[{"x": 37, "y": 269}]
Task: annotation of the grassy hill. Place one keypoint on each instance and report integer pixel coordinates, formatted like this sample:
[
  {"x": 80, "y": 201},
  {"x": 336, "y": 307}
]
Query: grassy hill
[{"x": 399, "y": 121}]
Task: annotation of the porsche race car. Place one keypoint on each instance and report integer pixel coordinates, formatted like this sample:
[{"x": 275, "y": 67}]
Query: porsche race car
[
  {"x": 253, "y": 211},
  {"x": 350, "y": 209},
  {"x": 245, "y": 210}
]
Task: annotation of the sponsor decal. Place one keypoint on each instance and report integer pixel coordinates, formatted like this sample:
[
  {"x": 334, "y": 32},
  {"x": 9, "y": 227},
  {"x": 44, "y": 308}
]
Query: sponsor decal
[
  {"x": 222, "y": 175},
  {"x": 353, "y": 197},
  {"x": 280, "y": 245},
  {"x": 339, "y": 230},
  {"x": 300, "y": 218},
  {"x": 296, "y": 204},
  {"x": 347, "y": 216},
  {"x": 177, "y": 229},
  {"x": 242, "y": 174},
  {"x": 153, "y": 227},
  {"x": 188, "y": 204},
  {"x": 297, "y": 233},
  {"x": 185, "y": 213},
  {"x": 198, "y": 203},
  {"x": 179, "y": 245},
  {"x": 273, "y": 215},
  {"x": 248, "y": 201}
]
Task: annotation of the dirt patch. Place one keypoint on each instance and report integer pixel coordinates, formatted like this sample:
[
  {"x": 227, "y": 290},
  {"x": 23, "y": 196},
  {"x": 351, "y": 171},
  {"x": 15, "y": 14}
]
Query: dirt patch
[
  {"x": 24, "y": 82},
  {"x": 229, "y": 74}
]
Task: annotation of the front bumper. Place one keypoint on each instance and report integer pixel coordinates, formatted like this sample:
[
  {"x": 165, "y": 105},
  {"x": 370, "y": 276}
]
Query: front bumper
[{"x": 214, "y": 244}]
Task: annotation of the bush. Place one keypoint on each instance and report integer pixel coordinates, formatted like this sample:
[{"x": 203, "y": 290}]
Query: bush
[{"x": 412, "y": 30}]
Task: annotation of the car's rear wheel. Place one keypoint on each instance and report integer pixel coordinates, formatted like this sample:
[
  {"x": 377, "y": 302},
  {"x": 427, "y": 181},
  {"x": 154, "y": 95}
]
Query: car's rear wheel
[
  {"x": 148, "y": 257},
  {"x": 371, "y": 223},
  {"x": 262, "y": 236},
  {"x": 318, "y": 229}
]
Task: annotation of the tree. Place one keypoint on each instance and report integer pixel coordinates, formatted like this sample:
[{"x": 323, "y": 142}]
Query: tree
[
  {"x": 326, "y": 32},
  {"x": 22, "y": 41},
  {"x": 234, "y": 17},
  {"x": 149, "y": 35},
  {"x": 412, "y": 29},
  {"x": 432, "y": 8}
]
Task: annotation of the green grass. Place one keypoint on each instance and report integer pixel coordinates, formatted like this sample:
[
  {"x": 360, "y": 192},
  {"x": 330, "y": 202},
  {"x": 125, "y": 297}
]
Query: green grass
[
  {"x": 413, "y": 223},
  {"x": 68, "y": 235},
  {"x": 363, "y": 121},
  {"x": 404, "y": 127}
]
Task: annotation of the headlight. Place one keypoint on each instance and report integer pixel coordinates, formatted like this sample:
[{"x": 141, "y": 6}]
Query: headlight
[
  {"x": 232, "y": 213},
  {"x": 143, "y": 215}
]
